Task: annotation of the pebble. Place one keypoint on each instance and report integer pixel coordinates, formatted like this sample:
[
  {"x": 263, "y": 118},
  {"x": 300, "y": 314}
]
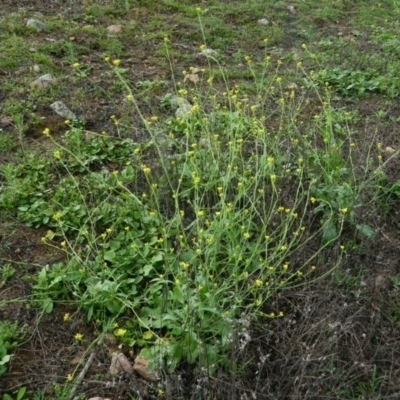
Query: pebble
[
  {"x": 263, "y": 21},
  {"x": 43, "y": 81},
  {"x": 62, "y": 110},
  {"x": 34, "y": 23}
]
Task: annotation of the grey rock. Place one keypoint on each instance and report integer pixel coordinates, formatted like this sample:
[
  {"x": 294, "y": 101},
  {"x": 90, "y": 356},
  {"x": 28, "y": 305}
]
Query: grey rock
[
  {"x": 263, "y": 21},
  {"x": 43, "y": 81},
  {"x": 120, "y": 363},
  {"x": 35, "y": 24},
  {"x": 62, "y": 110},
  {"x": 182, "y": 105}
]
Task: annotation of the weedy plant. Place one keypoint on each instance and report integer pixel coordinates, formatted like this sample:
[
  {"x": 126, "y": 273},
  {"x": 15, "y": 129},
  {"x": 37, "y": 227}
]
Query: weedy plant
[
  {"x": 180, "y": 240},
  {"x": 10, "y": 333}
]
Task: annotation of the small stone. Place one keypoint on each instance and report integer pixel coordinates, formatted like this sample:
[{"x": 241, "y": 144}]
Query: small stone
[
  {"x": 390, "y": 151},
  {"x": 381, "y": 282},
  {"x": 183, "y": 110},
  {"x": 43, "y": 81},
  {"x": 191, "y": 78},
  {"x": 35, "y": 24},
  {"x": 6, "y": 121},
  {"x": 207, "y": 52},
  {"x": 114, "y": 29},
  {"x": 263, "y": 21},
  {"x": 182, "y": 105},
  {"x": 35, "y": 68},
  {"x": 142, "y": 368},
  {"x": 62, "y": 110},
  {"x": 120, "y": 363}
]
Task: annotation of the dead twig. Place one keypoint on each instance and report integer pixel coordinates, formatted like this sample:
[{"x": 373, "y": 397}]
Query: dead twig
[{"x": 82, "y": 375}]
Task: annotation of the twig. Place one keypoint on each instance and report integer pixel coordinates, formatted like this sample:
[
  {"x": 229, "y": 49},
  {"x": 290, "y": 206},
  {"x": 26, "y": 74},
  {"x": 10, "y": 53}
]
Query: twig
[{"x": 81, "y": 375}]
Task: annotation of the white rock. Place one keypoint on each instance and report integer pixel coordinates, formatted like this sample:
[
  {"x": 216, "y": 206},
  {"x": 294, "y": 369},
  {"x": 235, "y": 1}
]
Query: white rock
[
  {"x": 114, "y": 29},
  {"x": 62, "y": 110},
  {"x": 182, "y": 105},
  {"x": 207, "y": 52},
  {"x": 263, "y": 21},
  {"x": 390, "y": 150},
  {"x": 34, "y": 23},
  {"x": 43, "y": 81}
]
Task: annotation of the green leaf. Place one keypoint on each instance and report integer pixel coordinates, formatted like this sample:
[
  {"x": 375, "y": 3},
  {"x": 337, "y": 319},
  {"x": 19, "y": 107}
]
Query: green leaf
[
  {"x": 21, "y": 393},
  {"x": 48, "y": 305},
  {"x": 5, "y": 359},
  {"x": 178, "y": 295},
  {"x": 147, "y": 335},
  {"x": 109, "y": 256},
  {"x": 329, "y": 232},
  {"x": 366, "y": 230}
]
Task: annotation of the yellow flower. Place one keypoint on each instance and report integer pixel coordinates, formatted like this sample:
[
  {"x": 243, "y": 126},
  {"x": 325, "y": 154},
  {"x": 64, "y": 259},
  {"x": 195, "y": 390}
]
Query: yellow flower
[
  {"x": 107, "y": 59},
  {"x": 145, "y": 169},
  {"x": 273, "y": 178},
  {"x": 63, "y": 244},
  {"x": 304, "y": 46},
  {"x": 200, "y": 213},
  {"x": 46, "y": 132},
  {"x": 57, "y": 154},
  {"x": 120, "y": 332},
  {"x": 117, "y": 62},
  {"x": 129, "y": 97},
  {"x": 246, "y": 235},
  {"x": 76, "y": 65},
  {"x": 69, "y": 378},
  {"x": 67, "y": 317},
  {"x": 57, "y": 216},
  {"x": 344, "y": 210},
  {"x": 313, "y": 200},
  {"x": 78, "y": 337},
  {"x": 258, "y": 283}
]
